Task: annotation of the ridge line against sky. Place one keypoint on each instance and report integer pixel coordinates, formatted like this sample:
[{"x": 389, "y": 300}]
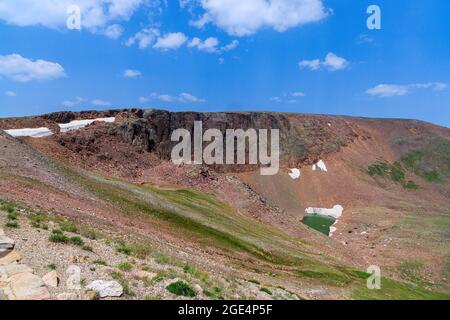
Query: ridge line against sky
[{"x": 310, "y": 56}]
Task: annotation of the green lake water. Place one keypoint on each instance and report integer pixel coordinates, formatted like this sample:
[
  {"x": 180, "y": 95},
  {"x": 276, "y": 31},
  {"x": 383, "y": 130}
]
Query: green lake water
[{"x": 319, "y": 222}]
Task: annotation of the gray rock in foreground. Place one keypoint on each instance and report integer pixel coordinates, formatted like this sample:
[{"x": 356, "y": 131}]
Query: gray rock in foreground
[
  {"x": 106, "y": 288},
  {"x": 6, "y": 244},
  {"x": 28, "y": 286}
]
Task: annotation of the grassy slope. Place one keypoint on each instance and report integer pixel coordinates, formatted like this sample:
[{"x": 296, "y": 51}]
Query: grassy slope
[{"x": 204, "y": 220}]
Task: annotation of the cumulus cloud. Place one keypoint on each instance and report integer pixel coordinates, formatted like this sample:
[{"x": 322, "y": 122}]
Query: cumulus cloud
[
  {"x": 388, "y": 90},
  {"x": 95, "y": 14},
  {"x": 114, "y": 31},
  {"x": 209, "y": 45},
  {"x": 175, "y": 40},
  {"x": 101, "y": 103},
  {"x": 243, "y": 18},
  {"x": 129, "y": 73},
  {"x": 310, "y": 64},
  {"x": 170, "y": 41},
  {"x": 212, "y": 45},
  {"x": 183, "y": 97},
  {"x": 232, "y": 45},
  {"x": 392, "y": 90},
  {"x": 10, "y": 94},
  {"x": 187, "y": 97},
  {"x": 143, "y": 38},
  {"x": 332, "y": 62},
  {"x": 21, "y": 69}
]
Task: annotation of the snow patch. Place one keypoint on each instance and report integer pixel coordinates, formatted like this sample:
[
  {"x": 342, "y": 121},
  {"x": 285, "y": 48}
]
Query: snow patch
[
  {"x": 78, "y": 124},
  {"x": 295, "y": 173},
  {"x": 332, "y": 230},
  {"x": 30, "y": 132},
  {"x": 334, "y": 212},
  {"x": 321, "y": 165}
]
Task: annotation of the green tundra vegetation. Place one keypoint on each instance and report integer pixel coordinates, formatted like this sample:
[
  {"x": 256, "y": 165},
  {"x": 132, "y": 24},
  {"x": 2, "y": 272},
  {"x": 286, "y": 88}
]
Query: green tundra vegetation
[{"x": 202, "y": 218}]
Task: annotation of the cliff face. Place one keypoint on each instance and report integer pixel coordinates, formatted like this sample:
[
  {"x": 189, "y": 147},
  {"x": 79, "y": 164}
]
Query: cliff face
[{"x": 303, "y": 138}]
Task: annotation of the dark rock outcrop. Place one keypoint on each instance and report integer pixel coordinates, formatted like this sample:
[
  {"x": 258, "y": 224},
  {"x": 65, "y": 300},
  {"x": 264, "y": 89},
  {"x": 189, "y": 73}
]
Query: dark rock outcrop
[{"x": 303, "y": 138}]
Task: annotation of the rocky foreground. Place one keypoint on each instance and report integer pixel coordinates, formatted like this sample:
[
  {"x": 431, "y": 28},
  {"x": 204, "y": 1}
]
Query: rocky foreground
[
  {"x": 17, "y": 280},
  {"x": 37, "y": 265}
]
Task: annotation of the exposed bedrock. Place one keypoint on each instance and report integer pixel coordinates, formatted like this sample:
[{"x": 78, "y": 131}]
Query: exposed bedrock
[{"x": 303, "y": 139}]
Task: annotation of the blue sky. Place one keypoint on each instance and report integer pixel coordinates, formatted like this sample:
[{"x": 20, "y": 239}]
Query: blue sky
[{"x": 307, "y": 56}]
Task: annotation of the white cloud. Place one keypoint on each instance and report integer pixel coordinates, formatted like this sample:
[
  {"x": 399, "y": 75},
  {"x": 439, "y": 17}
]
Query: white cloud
[
  {"x": 211, "y": 45},
  {"x": 332, "y": 62},
  {"x": 310, "y": 64},
  {"x": 388, "y": 90},
  {"x": 288, "y": 97},
  {"x": 242, "y": 18},
  {"x": 170, "y": 41},
  {"x": 143, "y": 99},
  {"x": 152, "y": 37},
  {"x": 102, "y": 103},
  {"x": 232, "y": 45},
  {"x": 10, "y": 94},
  {"x": 392, "y": 90},
  {"x": 187, "y": 97},
  {"x": 183, "y": 97},
  {"x": 143, "y": 38},
  {"x": 163, "y": 97},
  {"x": 129, "y": 73},
  {"x": 71, "y": 103},
  {"x": 114, "y": 31},
  {"x": 95, "y": 14},
  {"x": 21, "y": 69}
]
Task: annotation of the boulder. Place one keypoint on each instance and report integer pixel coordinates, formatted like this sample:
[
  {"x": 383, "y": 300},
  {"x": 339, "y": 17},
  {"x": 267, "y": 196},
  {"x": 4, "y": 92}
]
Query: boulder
[
  {"x": 14, "y": 268},
  {"x": 106, "y": 288},
  {"x": 51, "y": 279},
  {"x": 28, "y": 286},
  {"x": 6, "y": 244},
  {"x": 9, "y": 257}
]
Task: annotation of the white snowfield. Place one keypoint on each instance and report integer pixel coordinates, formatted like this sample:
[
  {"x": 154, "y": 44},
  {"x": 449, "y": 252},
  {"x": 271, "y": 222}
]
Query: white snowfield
[
  {"x": 295, "y": 173},
  {"x": 321, "y": 165},
  {"x": 28, "y": 132},
  {"x": 65, "y": 127},
  {"x": 334, "y": 212},
  {"x": 78, "y": 124}
]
